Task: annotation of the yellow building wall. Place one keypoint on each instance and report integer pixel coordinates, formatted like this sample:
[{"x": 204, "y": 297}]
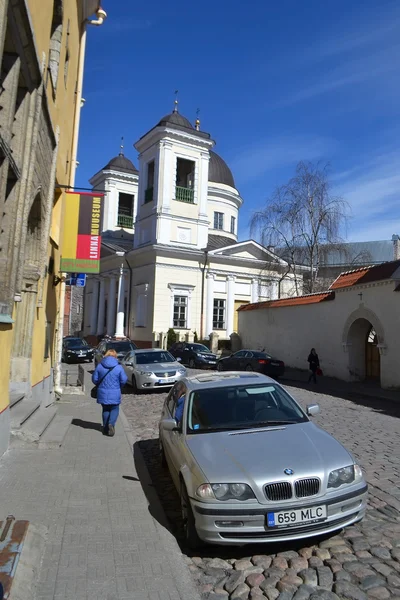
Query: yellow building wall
[{"x": 62, "y": 112}]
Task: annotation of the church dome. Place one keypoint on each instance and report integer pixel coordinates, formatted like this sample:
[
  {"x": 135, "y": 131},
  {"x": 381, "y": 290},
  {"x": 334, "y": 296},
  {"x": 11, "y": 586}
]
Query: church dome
[
  {"x": 121, "y": 163},
  {"x": 175, "y": 118},
  {"x": 218, "y": 171}
]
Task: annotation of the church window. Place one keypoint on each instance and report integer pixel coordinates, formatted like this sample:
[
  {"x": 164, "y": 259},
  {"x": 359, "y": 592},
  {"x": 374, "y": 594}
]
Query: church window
[
  {"x": 185, "y": 180},
  {"x": 125, "y": 210},
  {"x": 233, "y": 225},
  {"x": 148, "y": 194},
  {"x": 180, "y": 311},
  {"x": 218, "y": 220},
  {"x": 219, "y": 314}
]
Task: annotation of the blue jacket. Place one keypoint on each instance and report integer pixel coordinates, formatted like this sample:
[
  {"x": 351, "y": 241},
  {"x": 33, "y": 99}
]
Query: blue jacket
[
  {"x": 109, "y": 390},
  {"x": 180, "y": 405}
]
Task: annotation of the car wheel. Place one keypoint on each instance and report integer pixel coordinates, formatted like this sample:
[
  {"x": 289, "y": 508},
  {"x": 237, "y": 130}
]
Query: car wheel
[
  {"x": 134, "y": 385},
  {"x": 220, "y": 367},
  {"x": 249, "y": 368},
  {"x": 189, "y": 526},
  {"x": 162, "y": 456},
  {"x": 192, "y": 363}
]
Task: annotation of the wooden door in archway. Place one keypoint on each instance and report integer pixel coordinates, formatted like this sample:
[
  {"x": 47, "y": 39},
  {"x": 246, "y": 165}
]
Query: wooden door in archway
[
  {"x": 238, "y": 304},
  {"x": 372, "y": 356}
]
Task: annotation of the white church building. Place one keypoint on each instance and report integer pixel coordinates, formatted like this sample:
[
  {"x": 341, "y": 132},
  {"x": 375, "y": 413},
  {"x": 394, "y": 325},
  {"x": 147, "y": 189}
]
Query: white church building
[{"x": 170, "y": 252}]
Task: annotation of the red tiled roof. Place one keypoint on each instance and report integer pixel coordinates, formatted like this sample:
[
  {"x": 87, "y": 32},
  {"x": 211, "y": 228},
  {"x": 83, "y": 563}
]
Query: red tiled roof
[
  {"x": 366, "y": 275},
  {"x": 295, "y": 301}
]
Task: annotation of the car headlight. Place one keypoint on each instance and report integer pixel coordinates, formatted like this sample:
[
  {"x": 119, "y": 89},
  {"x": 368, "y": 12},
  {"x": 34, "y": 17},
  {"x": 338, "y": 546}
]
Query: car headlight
[
  {"x": 225, "y": 491},
  {"x": 182, "y": 371},
  {"x": 350, "y": 474},
  {"x": 148, "y": 373}
]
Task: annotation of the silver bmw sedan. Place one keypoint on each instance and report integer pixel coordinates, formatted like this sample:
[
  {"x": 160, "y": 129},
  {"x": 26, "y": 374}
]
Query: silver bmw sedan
[
  {"x": 250, "y": 466},
  {"x": 152, "y": 368}
]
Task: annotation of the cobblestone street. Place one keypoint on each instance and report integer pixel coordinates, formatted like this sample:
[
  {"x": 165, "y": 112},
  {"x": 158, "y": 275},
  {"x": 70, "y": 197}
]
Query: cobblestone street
[{"x": 359, "y": 563}]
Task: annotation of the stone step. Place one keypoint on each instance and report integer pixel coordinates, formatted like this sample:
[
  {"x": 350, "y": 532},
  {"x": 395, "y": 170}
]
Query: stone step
[
  {"x": 54, "y": 435},
  {"x": 39, "y": 422},
  {"x": 16, "y": 397},
  {"x": 22, "y": 412}
]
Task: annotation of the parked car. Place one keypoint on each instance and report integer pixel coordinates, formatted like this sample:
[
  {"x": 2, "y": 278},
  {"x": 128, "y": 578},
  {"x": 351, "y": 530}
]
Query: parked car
[
  {"x": 122, "y": 347},
  {"x": 250, "y": 466},
  {"x": 76, "y": 349},
  {"x": 194, "y": 355},
  {"x": 252, "y": 360},
  {"x": 152, "y": 368}
]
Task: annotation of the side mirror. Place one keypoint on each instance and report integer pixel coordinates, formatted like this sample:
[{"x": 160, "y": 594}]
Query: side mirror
[
  {"x": 169, "y": 424},
  {"x": 129, "y": 364},
  {"x": 313, "y": 410},
  {"x": 178, "y": 359}
]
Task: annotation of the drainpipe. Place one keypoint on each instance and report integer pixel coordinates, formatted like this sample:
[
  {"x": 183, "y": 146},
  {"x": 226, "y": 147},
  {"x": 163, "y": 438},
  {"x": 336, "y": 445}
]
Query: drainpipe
[
  {"x": 101, "y": 16},
  {"x": 203, "y": 274},
  {"x": 128, "y": 316}
]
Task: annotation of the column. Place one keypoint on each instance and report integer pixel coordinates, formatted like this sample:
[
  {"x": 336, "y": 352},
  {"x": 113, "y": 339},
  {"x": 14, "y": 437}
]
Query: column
[
  {"x": 254, "y": 290},
  {"x": 230, "y": 304},
  {"x": 102, "y": 306},
  {"x": 119, "y": 330},
  {"x": 209, "y": 303},
  {"x": 274, "y": 290},
  {"x": 94, "y": 306},
  {"x": 112, "y": 288},
  {"x": 165, "y": 176},
  {"x": 202, "y": 182}
]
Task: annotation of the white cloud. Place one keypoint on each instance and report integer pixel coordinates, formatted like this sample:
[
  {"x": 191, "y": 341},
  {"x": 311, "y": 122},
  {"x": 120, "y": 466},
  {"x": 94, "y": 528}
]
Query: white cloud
[{"x": 256, "y": 160}]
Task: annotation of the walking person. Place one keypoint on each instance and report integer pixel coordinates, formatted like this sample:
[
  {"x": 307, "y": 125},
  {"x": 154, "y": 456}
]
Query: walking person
[
  {"x": 109, "y": 377},
  {"x": 313, "y": 361}
]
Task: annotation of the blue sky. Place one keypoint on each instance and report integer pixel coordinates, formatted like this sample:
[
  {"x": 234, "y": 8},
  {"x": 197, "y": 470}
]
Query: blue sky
[{"x": 275, "y": 82}]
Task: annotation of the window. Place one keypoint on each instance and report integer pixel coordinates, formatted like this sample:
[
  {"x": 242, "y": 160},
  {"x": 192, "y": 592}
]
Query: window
[
  {"x": 218, "y": 220},
  {"x": 148, "y": 194},
  {"x": 233, "y": 224},
  {"x": 67, "y": 56},
  {"x": 185, "y": 180},
  {"x": 180, "y": 311},
  {"x": 219, "y": 314},
  {"x": 47, "y": 341},
  {"x": 55, "y": 43},
  {"x": 125, "y": 210}
]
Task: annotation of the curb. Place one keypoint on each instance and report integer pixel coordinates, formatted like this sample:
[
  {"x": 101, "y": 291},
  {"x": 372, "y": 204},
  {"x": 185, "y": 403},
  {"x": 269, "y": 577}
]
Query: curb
[{"x": 177, "y": 561}]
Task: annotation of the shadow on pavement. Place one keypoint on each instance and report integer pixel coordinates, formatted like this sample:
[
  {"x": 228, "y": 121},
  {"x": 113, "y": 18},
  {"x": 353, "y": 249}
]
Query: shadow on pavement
[
  {"x": 87, "y": 425},
  {"x": 164, "y": 506},
  {"x": 369, "y": 395}
]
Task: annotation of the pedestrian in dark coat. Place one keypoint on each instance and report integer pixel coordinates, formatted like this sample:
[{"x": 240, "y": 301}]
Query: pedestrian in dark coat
[
  {"x": 109, "y": 377},
  {"x": 313, "y": 361}
]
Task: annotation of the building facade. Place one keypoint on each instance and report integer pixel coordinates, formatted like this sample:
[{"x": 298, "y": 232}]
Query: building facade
[
  {"x": 354, "y": 326},
  {"x": 170, "y": 252},
  {"x": 41, "y": 54}
]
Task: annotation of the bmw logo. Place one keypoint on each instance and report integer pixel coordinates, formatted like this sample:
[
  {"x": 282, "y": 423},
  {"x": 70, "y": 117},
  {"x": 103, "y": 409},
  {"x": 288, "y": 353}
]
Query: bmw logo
[{"x": 288, "y": 471}]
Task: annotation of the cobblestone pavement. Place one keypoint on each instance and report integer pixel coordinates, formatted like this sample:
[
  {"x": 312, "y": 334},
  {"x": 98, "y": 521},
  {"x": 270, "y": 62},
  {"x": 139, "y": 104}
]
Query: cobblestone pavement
[{"x": 360, "y": 563}]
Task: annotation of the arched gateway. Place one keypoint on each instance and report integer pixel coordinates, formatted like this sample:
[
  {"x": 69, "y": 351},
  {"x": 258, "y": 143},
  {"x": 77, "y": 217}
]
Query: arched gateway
[{"x": 362, "y": 336}]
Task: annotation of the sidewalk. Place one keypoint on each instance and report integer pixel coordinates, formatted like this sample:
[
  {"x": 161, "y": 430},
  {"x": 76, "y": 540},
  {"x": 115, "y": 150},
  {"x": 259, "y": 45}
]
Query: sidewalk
[{"x": 106, "y": 533}]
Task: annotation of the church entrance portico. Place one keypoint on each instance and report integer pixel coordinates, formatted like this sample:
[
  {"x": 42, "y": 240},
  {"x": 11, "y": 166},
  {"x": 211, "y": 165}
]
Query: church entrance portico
[{"x": 364, "y": 337}]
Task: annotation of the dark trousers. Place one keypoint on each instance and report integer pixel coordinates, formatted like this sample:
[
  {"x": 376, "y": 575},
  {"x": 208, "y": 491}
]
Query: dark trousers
[
  {"x": 313, "y": 376},
  {"x": 110, "y": 414}
]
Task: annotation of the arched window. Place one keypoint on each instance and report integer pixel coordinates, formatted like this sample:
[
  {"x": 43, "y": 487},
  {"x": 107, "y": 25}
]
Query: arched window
[
  {"x": 372, "y": 337},
  {"x": 55, "y": 42}
]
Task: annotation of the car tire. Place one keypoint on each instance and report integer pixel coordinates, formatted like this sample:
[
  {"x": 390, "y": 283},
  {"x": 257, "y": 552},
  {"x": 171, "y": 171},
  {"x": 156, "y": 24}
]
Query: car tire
[
  {"x": 163, "y": 458},
  {"x": 249, "y": 368},
  {"x": 192, "y": 363},
  {"x": 134, "y": 385},
  {"x": 188, "y": 522},
  {"x": 220, "y": 367}
]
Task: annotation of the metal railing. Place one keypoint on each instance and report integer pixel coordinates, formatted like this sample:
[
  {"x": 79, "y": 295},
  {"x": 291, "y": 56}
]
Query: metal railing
[
  {"x": 148, "y": 195},
  {"x": 124, "y": 221},
  {"x": 184, "y": 194}
]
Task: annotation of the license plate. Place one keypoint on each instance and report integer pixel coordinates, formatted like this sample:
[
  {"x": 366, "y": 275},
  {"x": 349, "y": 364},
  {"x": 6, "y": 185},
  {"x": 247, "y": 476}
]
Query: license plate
[
  {"x": 275, "y": 364},
  {"x": 167, "y": 380},
  {"x": 212, "y": 362},
  {"x": 288, "y": 518}
]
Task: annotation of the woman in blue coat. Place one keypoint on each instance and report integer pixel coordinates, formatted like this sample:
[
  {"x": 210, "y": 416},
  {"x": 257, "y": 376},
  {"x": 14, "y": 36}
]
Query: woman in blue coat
[{"x": 109, "y": 377}]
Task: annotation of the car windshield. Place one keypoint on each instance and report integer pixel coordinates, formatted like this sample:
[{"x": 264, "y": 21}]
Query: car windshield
[
  {"x": 75, "y": 342},
  {"x": 146, "y": 358},
  {"x": 241, "y": 407},
  {"x": 199, "y": 348},
  {"x": 120, "y": 346}
]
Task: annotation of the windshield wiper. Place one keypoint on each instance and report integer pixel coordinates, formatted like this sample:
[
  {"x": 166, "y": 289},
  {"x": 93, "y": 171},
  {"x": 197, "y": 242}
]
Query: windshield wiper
[{"x": 266, "y": 423}]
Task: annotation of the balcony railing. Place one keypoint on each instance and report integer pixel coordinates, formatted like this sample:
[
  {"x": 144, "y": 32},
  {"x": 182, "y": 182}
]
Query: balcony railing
[
  {"x": 124, "y": 221},
  {"x": 148, "y": 195},
  {"x": 184, "y": 194}
]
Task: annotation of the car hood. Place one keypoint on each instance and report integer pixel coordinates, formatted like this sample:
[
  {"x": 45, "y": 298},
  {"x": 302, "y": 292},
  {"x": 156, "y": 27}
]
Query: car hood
[
  {"x": 78, "y": 348},
  {"x": 206, "y": 354},
  {"x": 163, "y": 367},
  {"x": 261, "y": 456}
]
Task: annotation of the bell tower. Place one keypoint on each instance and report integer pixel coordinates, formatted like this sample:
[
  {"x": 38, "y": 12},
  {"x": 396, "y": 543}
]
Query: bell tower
[{"x": 173, "y": 184}]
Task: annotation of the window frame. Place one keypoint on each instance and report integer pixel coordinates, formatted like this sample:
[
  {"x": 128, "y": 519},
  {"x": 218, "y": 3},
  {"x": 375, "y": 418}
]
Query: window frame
[
  {"x": 218, "y": 220},
  {"x": 217, "y": 321},
  {"x": 179, "y": 306},
  {"x": 233, "y": 224}
]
